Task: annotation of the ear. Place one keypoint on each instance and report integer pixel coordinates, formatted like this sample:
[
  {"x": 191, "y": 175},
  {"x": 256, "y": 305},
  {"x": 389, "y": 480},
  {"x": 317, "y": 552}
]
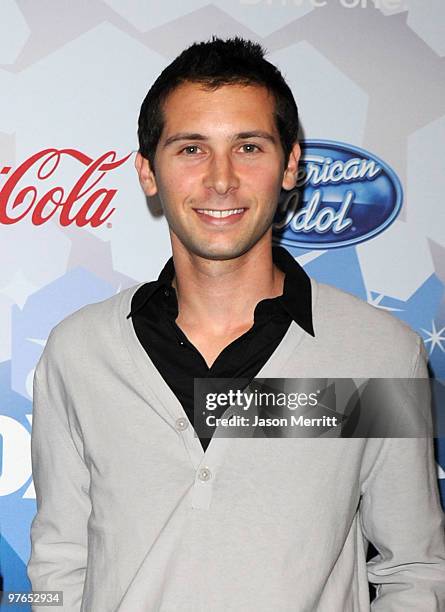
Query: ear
[
  {"x": 290, "y": 172},
  {"x": 147, "y": 178}
]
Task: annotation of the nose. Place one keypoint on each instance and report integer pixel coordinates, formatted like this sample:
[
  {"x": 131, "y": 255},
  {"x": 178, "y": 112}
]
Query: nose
[{"x": 221, "y": 175}]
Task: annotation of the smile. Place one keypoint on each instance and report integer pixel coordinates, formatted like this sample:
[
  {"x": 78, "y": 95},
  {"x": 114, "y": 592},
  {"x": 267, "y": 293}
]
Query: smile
[{"x": 220, "y": 213}]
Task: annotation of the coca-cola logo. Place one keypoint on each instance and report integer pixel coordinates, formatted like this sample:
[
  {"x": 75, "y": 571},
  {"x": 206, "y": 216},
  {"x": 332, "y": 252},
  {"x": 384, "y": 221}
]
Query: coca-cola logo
[
  {"x": 29, "y": 190},
  {"x": 344, "y": 195}
]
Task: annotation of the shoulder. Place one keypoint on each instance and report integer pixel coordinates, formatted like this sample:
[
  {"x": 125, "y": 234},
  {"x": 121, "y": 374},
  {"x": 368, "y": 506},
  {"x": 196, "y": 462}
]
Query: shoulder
[
  {"x": 334, "y": 305},
  {"x": 93, "y": 323},
  {"x": 365, "y": 331}
]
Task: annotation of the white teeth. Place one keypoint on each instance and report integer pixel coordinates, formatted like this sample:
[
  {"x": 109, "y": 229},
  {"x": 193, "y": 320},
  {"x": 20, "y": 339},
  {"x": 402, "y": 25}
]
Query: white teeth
[{"x": 220, "y": 213}]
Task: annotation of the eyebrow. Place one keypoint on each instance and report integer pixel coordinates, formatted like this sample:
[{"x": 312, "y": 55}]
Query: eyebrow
[{"x": 240, "y": 136}]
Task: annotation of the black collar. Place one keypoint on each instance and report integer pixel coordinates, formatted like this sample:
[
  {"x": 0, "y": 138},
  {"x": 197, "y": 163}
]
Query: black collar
[{"x": 296, "y": 298}]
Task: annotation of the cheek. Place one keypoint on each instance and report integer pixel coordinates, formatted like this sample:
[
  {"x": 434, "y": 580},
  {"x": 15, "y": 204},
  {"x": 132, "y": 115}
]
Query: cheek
[
  {"x": 185, "y": 176},
  {"x": 266, "y": 186},
  {"x": 176, "y": 185},
  {"x": 264, "y": 176}
]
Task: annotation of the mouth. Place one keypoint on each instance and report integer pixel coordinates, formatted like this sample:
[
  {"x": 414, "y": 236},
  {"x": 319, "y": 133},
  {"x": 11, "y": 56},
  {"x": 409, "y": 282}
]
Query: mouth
[{"x": 220, "y": 217}]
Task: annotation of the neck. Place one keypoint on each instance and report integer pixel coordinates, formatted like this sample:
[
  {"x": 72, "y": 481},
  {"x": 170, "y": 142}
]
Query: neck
[{"x": 219, "y": 297}]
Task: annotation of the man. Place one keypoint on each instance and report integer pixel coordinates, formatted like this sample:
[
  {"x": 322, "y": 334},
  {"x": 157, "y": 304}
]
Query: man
[{"x": 135, "y": 513}]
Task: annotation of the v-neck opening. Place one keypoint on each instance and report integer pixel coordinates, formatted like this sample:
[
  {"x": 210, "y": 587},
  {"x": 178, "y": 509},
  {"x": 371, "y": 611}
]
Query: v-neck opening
[
  {"x": 229, "y": 346},
  {"x": 159, "y": 390}
]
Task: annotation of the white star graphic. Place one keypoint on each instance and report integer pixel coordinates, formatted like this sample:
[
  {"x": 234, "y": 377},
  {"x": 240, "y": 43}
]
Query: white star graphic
[
  {"x": 435, "y": 337},
  {"x": 40, "y": 341},
  {"x": 375, "y": 301}
]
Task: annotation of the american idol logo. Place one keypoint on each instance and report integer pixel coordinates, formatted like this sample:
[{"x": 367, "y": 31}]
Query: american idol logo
[{"x": 344, "y": 195}]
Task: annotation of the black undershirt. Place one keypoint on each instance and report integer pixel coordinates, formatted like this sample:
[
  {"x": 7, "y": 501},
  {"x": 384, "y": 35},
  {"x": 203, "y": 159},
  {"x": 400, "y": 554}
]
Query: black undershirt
[{"x": 154, "y": 309}]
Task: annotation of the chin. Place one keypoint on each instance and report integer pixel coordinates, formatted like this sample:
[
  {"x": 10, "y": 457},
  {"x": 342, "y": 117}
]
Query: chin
[
  {"x": 221, "y": 252},
  {"x": 209, "y": 247}
]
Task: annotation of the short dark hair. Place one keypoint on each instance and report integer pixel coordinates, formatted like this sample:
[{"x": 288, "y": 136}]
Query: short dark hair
[{"x": 215, "y": 63}]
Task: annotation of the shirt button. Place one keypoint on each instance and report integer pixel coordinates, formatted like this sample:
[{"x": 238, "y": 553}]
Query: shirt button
[
  {"x": 166, "y": 292},
  {"x": 204, "y": 474},
  {"x": 181, "y": 424}
]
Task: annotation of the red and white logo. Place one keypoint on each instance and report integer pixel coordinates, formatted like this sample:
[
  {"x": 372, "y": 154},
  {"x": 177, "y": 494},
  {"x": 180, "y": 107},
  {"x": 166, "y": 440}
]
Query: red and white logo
[{"x": 26, "y": 191}]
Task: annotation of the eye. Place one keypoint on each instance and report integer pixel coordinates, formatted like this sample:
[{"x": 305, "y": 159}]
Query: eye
[
  {"x": 250, "y": 148},
  {"x": 190, "y": 150}
]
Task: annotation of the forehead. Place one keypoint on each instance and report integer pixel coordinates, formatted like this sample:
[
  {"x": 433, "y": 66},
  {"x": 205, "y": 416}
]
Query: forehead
[{"x": 191, "y": 105}]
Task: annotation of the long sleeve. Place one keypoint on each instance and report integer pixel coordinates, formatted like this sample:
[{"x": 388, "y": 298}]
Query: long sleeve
[
  {"x": 401, "y": 516},
  {"x": 59, "y": 530}
]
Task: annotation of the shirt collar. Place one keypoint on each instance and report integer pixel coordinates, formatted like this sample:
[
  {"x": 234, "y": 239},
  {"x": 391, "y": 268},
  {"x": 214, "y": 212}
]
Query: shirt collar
[
  {"x": 297, "y": 289},
  {"x": 296, "y": 298}
]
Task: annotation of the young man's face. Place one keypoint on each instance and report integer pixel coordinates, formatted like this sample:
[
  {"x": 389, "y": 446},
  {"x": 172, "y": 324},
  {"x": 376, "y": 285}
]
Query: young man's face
[{"x": 219, "y": 154}]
